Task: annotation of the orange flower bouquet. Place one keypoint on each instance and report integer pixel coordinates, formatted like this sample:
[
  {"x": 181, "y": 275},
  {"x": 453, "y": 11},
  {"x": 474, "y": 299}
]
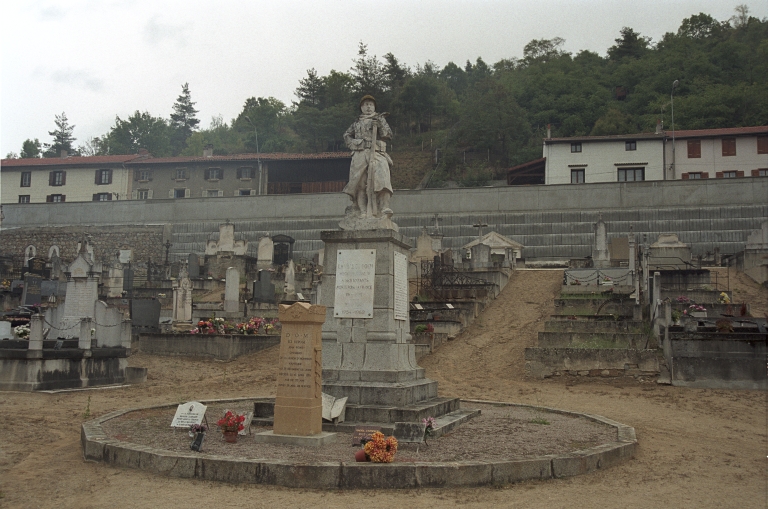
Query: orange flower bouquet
[{"x": 380, "y": 449}]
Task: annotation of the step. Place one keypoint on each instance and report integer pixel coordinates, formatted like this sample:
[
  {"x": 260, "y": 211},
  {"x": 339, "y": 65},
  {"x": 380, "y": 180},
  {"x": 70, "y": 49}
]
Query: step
[
  {"x": 593, "y": 340},
  {"x": 574, "y": 325}
]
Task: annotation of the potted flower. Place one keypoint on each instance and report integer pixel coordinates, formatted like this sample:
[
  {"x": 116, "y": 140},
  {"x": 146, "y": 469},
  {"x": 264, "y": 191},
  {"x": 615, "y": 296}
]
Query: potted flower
[
  {"x": 697, "y": 311},
  {"x": 231, "y": 424},
  {"x": 381, "y": 449},
  {"x": 676, "y": 315}
]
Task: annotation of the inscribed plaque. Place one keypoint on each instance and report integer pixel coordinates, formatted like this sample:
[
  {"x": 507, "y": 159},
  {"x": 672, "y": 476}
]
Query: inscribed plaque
[
  {"x": 401, "y": 286},
  {"x": 188, "y": 414},
  {"x": 355, "y": 272}
]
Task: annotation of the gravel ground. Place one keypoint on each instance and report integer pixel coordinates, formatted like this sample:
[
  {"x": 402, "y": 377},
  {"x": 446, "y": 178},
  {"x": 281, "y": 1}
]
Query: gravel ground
[{"x": 498, "y": 433}]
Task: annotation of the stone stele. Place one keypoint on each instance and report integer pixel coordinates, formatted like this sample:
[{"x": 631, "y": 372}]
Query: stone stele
[{"x": 299, "y": 402}]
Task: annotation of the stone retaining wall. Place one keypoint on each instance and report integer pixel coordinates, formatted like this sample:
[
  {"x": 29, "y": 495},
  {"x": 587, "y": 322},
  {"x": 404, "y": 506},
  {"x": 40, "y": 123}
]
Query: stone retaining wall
[{"x": 223, "y": 347}]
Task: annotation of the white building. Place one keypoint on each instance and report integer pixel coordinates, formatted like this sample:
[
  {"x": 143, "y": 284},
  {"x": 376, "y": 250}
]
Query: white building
[
  {"x": 706, "y": 153},
  {"x": 594, "y": 159},
  {"x": 65, "y": 179},
  {"x": 718, "y": 153}
]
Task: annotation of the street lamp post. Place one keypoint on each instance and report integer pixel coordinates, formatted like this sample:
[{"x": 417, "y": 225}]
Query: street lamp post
[
  {"x": 675, "y": 84},
  {"x": 258, "y": 156}
]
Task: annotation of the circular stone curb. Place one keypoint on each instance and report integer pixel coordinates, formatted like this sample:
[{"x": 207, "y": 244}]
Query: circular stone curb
[{"x": 343, "y": 475}]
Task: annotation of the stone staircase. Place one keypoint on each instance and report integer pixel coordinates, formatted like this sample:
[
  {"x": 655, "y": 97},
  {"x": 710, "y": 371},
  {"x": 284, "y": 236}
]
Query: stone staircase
[{"x": 594, "y": 334}]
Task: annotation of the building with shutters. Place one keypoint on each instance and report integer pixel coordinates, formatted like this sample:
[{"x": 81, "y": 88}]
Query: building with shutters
[
  {"x": 66, "y": 178},
  {"x": 694, "y": 154}
]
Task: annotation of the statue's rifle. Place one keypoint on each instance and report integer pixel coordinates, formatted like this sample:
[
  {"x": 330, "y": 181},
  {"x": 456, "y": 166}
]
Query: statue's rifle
[{"x": 372, "y": 206}]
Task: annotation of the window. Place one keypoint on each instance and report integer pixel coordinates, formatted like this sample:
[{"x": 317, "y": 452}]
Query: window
[
  {"x": 631, "y": 174},
  {"x": 144, "y": 175},
  {"x": 55, "y": 198},
  {"x": 575, "y": 147},
  {"x": 181, "y": 174},
  {"x": 760, "y": 172},
  {"x": 246, "y": 173},
  {"x": 213, "y": 193},
  {"x": 103, "y": 177},
  {"x": 729, "y": 147},
  {"x": 729, "y": 175},
  {"x": 630, "y": 145},
  {"x": 57, "y": 178},
  {"x": 102, "y": 197},
  {"x": 762, "y": 144},
  {"x": 577, "y": 176},
  {"x": 694, "y": 149},
  {"x": 243, "y": 192},
  {"x": 26, "y": 179},
  {"x": 180, "y": 193},
  {"x": 695, "y": 175},
  {"x": 23, "y": 198},
  {"x": 214, "y": 174},
  {"x": 142, "y": 194}
]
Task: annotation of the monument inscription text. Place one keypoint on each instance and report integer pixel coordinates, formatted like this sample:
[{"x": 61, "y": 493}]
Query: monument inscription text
[{"x": 355, "y": 273}]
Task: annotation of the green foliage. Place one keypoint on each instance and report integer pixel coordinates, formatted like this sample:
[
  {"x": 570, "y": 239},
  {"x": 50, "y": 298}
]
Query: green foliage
[
  {"x": 62, "y": 137},
  {"x": 539, "y": 420},
  {"x": 31, "y": 148},
  {"x": 140, "y": 130},
  {"x": 183, "y": 120}
]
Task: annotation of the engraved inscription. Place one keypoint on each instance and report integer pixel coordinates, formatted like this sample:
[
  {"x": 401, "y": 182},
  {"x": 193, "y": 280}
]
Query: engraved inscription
[
  {"x": 401, "y": 286},
  {"x": 355, "y": 273}
]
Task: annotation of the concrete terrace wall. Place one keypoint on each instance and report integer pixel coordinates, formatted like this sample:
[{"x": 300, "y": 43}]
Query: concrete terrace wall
[{"x": 551, "y": 221}]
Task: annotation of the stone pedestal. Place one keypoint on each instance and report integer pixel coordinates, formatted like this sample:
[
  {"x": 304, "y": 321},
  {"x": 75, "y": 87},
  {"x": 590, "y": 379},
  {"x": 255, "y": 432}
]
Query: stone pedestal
[{"x": 369, "y": 357}]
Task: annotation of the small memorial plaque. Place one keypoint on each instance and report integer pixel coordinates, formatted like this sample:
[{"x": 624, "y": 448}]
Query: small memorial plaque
[
  {"x": 401, "y": 286},
  {"x": 418, "y": 306},
  {"x": 449, "y": 306},
  {"x": 188, "y": 414},
  {"x": 355, "y": 274},
  {"x": 409, "y": 432},
  {"x": 363, "y": 433}
]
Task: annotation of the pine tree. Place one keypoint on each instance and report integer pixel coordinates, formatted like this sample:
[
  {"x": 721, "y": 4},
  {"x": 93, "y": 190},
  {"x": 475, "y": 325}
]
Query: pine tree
[
  {"x": 183, "y": 120},
  {"x": 62, "y": 137}
]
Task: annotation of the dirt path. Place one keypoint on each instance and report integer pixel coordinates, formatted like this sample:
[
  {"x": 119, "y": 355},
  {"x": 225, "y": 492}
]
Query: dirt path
[{"x": 697, "y": 447}]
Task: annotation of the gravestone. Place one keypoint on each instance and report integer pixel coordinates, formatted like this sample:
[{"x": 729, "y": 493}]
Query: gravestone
[
  {"x": 37, "y": 266},
  {"x": 182, "y": 297},
  {"x": 481, "y": 256},
  {"x": 363, "y": 433},
  {"x": 128, "y": 275},
  {"x": 145, "y": 314},
  {"x": 232, "y": 291},
  {"x": 265, "y": 253},
  {"x": 32, "y": 290},
  {"x": 299, "y": 404},
  {"x": 193, "y": 263},
  {"x": 188, "y": 414},
  {"x": 55, "y": 266},
  {"x": 55, "y": 288},
  {"x": 263, "y": 289},
  {"x": 290, "y": 281},
  {"x": 5, "y": 330},
  {"x": 601, "y": 258},
  {"x": 125, "y": 255},
  {"x": 226, "y": 242},
  {"x": 82, "y": 288}
]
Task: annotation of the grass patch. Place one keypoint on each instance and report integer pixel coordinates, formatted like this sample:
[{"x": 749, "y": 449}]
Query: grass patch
[
  {"x": 539, "y": 420},
  {"x": 594, "y": 343}
]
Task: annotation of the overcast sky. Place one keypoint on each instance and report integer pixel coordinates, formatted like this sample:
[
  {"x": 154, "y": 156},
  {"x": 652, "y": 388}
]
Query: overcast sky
[{"x": 95, "y": 59}]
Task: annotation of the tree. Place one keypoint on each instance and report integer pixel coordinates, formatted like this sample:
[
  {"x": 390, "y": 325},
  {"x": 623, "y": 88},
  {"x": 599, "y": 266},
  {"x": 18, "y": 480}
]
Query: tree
[
  {"x": 183, "y": 120},
  {"x": 95, "y": 146},
  {"x": 630, "y": 45},
  {"x": 368, "y": 74},
  {"x": 140, "y": 130},
  {"x": 11, "y": 155},
  {"x": 31, "y": 148},
  {"x": 62, "y": 137},
  {"x": 339, "y": 89},
  {"x": 310, "y": 88},
  {"x": 263, "y": 119},
  {"x": 699, "y": 26},
  {"x": 542, "y": 50}
]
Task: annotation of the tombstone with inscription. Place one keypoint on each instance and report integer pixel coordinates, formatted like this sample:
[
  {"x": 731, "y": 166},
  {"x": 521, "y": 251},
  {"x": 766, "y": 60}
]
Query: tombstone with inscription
[
  {"x": 232, "y": 291},
  {"x": 263, "y": 288},
  {"x": 37, "y": 266},
  {"x": 82, "y": 287},
  {"x": 265, "y": 253},
  {"x": 182, "y": 298},
  {"x": 32, "y": 290},
  {"x": 193, "y": 266},
  {"x": 601, "y": 257},
  {"x": 299, "y": 401}
]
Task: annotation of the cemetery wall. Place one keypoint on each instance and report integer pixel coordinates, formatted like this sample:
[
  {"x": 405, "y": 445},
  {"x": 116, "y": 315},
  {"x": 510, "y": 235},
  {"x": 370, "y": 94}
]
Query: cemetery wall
[
  {"x": 143, "y": 241},
  {"x": 554, "y": 221}
]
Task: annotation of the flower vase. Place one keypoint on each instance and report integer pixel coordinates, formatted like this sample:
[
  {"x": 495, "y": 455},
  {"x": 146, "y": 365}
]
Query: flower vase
[
  {"x": 360, "y": 456},
  {"x": 230, "y": 437}
]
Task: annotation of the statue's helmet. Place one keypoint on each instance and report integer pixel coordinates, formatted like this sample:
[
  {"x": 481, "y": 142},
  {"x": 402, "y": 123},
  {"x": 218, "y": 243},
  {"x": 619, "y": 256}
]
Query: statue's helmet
[{"x": 367, "y": 98}]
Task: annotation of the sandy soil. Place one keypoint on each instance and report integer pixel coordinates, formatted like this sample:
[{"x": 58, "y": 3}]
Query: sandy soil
[{"x": 697, "y": 447}]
